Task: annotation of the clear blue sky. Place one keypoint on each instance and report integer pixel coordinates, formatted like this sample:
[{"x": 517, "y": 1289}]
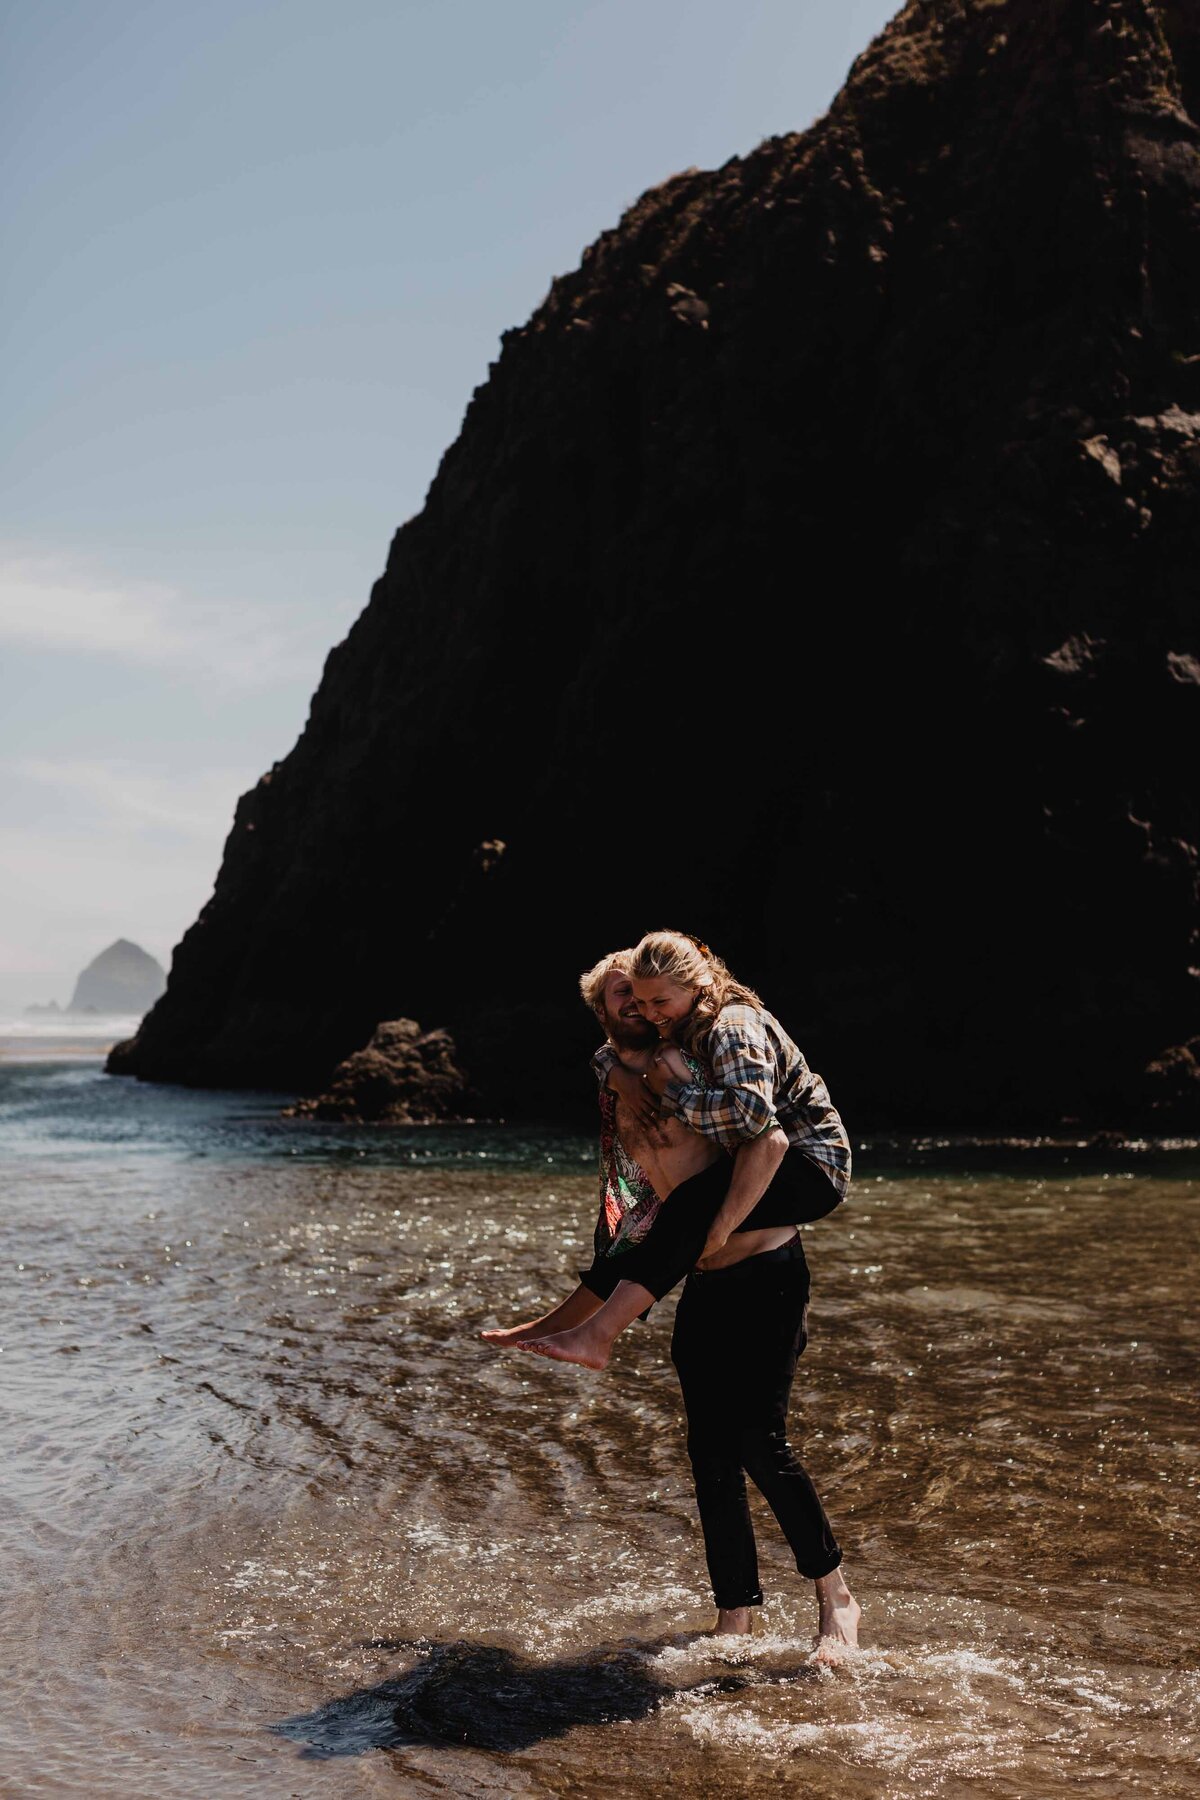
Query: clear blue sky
[{"x": 259, "y": 253}]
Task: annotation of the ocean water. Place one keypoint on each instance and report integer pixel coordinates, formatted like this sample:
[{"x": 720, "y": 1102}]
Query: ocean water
[{"x": 274, "y": 1521}]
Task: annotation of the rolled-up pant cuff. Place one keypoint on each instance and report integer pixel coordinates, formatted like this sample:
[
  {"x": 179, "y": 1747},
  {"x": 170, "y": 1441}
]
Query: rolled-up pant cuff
[
  {"x": 724, "y": 1603},
  {"x": 825, "y": 1568}
]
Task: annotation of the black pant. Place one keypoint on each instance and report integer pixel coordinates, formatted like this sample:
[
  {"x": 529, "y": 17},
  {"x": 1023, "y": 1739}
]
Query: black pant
[
  {"x": 799, "y": 1191},
  {"x": 738, "y": 1335}
]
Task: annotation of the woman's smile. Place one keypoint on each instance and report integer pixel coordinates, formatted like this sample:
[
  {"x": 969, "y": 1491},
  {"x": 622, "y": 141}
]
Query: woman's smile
[{"x": 663, "y": 1002}]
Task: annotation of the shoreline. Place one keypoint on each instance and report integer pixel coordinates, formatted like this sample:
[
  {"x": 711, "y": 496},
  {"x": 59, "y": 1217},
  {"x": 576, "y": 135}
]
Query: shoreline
[{"x": 77, "y": 1052}]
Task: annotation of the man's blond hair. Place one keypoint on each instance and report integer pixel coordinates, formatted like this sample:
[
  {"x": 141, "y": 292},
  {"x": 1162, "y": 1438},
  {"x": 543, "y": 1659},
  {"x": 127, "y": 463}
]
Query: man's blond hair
[{"x": 591, "y": 984}]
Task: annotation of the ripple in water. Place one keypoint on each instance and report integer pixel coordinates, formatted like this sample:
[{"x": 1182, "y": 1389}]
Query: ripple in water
[{"x": 274, "y": 1518}]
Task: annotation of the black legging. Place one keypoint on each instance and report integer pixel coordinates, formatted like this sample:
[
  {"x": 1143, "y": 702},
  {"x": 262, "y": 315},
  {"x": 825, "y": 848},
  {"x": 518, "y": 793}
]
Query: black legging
[
  {"x": 800, "y": 1191},
  {"x": 738, "y": 1334}
]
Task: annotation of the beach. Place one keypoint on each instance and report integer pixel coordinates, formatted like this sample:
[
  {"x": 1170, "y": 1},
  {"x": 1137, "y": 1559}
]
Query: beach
[{"x": 275, "y": 1521}]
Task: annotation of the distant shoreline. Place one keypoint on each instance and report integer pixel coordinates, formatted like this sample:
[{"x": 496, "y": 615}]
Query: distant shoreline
[{"x": 55, "y": 1039}]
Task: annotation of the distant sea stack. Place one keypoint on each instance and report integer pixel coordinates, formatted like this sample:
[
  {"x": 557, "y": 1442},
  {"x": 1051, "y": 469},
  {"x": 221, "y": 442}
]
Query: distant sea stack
[
  {"x": 815, "y": 571},
  {"x": 122, "y": 979}
]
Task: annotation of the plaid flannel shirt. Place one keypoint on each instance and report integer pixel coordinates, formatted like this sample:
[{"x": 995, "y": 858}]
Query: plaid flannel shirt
[{"x": 759, "y": 1078}]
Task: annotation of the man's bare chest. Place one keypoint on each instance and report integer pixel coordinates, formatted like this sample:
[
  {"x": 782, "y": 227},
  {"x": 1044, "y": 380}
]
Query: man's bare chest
[{"x": 647, "y": 1143}]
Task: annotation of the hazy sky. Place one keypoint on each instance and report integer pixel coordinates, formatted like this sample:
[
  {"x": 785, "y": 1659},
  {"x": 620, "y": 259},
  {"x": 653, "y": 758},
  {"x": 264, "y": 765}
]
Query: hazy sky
[{"x": 259, "y": 253}]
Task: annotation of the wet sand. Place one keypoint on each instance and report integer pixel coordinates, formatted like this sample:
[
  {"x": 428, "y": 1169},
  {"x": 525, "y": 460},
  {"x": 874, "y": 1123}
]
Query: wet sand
[{"x": 276, "y": 1522}]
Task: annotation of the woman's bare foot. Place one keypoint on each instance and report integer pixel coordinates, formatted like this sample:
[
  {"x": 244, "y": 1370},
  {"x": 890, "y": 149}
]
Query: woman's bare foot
[
  {"x": 584, "y": 1345},
  {"x": 573, "y": 1311},
  {"x": 837, "y": 1620},
  {"x": 513, "y": 1334},
  {"x": 733, "y": 1621}
]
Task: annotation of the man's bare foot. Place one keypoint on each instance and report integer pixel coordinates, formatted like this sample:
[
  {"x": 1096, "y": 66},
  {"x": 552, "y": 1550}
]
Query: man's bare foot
[
  {"x": 733, "y": 1621},
  {"x": 512, "y": 1334},
  {"x": 583, "y": 1345},
  {"x": 837, "y": 1620}
]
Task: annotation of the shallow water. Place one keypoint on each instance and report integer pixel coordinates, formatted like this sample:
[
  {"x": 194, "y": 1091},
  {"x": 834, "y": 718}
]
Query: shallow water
[{"x": 276, "y": 1522}]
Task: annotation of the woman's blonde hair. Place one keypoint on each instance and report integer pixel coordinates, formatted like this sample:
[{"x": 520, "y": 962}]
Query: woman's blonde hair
[{"x": 675, "y": 956}]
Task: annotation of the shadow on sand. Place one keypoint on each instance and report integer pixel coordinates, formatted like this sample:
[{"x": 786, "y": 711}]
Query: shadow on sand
[{"x": 487, "y": 1698}]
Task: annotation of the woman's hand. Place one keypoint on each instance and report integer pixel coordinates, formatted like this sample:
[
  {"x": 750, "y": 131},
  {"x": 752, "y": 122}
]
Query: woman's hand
[
  {"x": 657, "y": 1077},
  {"x": 635, "y": 1093},
  {"x": 669, "y": 1061}
]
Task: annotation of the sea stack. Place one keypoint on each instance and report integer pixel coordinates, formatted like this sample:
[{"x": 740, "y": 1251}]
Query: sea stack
[
  {"x": 122, "y": 979},
  {"x": 404, "y": 1076},
  {"x": 814, "y": 571}
]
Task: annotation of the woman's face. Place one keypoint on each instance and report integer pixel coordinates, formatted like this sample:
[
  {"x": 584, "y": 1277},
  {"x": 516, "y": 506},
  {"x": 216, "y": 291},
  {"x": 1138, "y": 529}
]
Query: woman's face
[{"x": 663, "y": 1002}]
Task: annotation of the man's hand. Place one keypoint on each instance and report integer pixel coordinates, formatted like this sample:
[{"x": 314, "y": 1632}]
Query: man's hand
[
  {"x": 714, "y": 1243},
  {"x": 753, "y": 1168},
  {"x": 634, "y": 1093}
]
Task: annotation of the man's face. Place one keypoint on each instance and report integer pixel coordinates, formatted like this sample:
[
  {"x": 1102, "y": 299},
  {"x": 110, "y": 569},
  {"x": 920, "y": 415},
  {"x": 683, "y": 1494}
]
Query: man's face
[{"x": 620, "y": 1015}]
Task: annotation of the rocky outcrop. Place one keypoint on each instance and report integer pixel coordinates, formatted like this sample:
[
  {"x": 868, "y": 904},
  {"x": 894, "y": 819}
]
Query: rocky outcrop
[
  {"x": 814, "y": 571},
  {"x": 122, "y": 979},
  {"x": 404, "y": 1076}
]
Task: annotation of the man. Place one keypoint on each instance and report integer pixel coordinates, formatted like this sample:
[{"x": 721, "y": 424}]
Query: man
[{"x": 740, "y": 1326}]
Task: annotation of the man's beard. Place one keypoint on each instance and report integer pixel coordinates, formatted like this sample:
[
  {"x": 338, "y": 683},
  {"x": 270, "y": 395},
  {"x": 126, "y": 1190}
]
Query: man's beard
[{"x": 630, "y": 1034}]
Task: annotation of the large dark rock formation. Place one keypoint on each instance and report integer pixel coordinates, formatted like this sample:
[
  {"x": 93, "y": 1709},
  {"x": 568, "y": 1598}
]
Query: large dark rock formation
[
  {"x": 816, "y": 571},
  {"x": 122, "y": 979}
]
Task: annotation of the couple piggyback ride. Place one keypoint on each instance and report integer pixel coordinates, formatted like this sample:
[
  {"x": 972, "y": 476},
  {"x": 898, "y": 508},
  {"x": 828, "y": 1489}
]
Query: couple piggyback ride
[{"x": 717, "y": 1142}]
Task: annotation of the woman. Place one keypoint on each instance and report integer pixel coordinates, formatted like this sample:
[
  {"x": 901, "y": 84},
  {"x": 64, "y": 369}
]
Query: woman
[{"x": 740, "y": 1328}]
